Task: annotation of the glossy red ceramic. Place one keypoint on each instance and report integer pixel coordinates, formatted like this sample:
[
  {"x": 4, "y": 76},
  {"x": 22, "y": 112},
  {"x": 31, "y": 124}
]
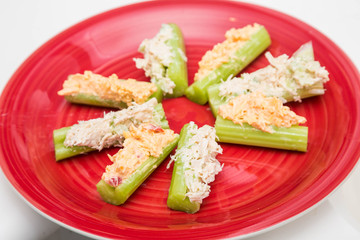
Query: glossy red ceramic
[{"x": 258, "y": 188}]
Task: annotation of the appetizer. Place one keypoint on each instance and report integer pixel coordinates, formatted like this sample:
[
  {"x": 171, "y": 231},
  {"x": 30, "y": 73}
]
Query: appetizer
[
  {"x": 289, "y": 79},
  {"x": 165, "y": 60},
  {"x": 256, "y": 120},
  {"x": 145, "y": 147},
  {"x": 99, "y": 133},
  {"x": 228, "y": 58},
  {"x": 94, "y": 89},
  {"x": 194, "y": 168}
]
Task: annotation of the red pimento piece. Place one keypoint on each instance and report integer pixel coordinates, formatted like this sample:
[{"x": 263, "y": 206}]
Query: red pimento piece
[
  {"x": 154, "y": 128},
  {"x": 115, "y": 181}
]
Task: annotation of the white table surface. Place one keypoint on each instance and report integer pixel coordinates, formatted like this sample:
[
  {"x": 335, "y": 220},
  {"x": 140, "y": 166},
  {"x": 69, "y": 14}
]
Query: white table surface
[{"x": 26, "y": 25}]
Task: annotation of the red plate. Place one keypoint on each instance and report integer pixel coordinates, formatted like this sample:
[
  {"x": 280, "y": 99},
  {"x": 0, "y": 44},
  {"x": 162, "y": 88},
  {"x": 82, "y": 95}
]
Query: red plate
[{"x": 257, "y": 189}]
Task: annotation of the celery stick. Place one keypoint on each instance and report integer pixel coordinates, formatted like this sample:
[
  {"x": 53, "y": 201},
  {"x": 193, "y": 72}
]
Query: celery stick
[
  {"x": 63, "y": 152},
  {"x": 259, "y": 41},
  {"x": 118, "y": 195},
  {"x": 89, "y": 99},
  {"x": 177, "y": 199},
  {"x": 177, "y": 70},
  {"x": 293, "y": 138}
]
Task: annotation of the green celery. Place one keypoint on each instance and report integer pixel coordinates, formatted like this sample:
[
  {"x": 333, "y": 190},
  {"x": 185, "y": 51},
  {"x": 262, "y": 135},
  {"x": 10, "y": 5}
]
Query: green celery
[
  {"x": 63, "y": 152},
  {"x": 293, "y": 138},
  {"x": 118, "y": 195},
  {"x": 243, "y": 56},
  {"x": 177, "y": 199},
  {"x": 89, "y": 99},
  {"x": 215, "y": 100},
  {"x": 177, "y": 70}
]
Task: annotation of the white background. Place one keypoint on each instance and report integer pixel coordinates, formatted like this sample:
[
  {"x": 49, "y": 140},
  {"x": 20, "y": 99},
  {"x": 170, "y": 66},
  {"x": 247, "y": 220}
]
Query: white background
[{"x": 26, "y": 25}]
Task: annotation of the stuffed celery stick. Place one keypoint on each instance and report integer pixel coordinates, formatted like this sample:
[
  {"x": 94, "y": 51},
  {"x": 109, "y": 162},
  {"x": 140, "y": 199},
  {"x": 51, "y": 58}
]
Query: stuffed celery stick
[
  {"x": 228, "y": 58},
  {"x": 256, "y": 120},
  {"x": 145, "y": 147},
  {"x": 96, "y": 134},
  {"x": 290, "y": 79},
  {"x": 194, "y": 168},
  {"x": 94, "y": 89},
  {"x": 165, "y": 60}
]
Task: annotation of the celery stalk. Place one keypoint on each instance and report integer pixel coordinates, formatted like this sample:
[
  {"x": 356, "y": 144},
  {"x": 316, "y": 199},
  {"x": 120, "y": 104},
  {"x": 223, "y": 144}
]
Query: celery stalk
[
  {"x": 118, "y": 195},
  {"x": 259, "y": 41},
  {"x": 177, "y": 70},
  {"x": 89, "y": 99},
  {"x": 293, "y": 138},
  {"x": 63, "y": 152},
  {"x": 215, "y": 100},
  {"x": 177, "y": 199}
]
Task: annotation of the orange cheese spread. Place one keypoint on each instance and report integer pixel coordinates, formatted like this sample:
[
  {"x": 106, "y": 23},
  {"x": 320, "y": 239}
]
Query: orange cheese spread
[
  {"x": 111, "y": 88},
  {"x": 260, "y": 112},
  {"x": 222, "y": 52},
  {"x": 140, "y": 143}
]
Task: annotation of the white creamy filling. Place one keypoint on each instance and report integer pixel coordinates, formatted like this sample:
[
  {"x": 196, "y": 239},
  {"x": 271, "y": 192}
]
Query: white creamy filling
[
  {"x": 157, "y": 57},
  {"x": 200, "y": 163},
  {"x": 108, "y": 131},
  {"x": 283, "y": 77}
]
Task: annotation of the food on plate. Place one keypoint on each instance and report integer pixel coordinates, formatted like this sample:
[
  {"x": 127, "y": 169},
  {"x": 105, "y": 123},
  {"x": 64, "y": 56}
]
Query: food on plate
[
  {"x": 194, "y": 169},
  {"x": 290, "y": 79},
  {"x": 105, "y": 132},
  {"x": 94, "y": 89},
  {"x": 249, "y": 110},
  {"x": 145, "y": 147},
  {"x": 228, "y": 58},
  {"x": 257, "y": 120},
  {"x": 165, "y": 60}
]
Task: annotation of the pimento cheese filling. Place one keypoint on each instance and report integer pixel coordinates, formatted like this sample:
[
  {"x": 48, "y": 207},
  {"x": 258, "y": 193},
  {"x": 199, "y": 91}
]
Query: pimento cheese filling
[
  {"x": 259, "y": 111},
  {"x": 140, "y": 143},
  {"x": 222, "y": 52},
  {"x": 111, "y": 87}
]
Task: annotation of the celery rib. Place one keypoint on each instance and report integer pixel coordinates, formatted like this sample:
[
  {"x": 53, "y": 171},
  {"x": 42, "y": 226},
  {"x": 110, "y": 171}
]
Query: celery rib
[
  {"x": 93, "y": 100},
  {"x": 177, "y": 70},
  {"x": 294, "y": 138},
  {"x": 63, "y": 152},
  {"x": 177, "y": 198},
  {"x": 259, "y": 41},
  {"x": 118, "y": 195}
]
